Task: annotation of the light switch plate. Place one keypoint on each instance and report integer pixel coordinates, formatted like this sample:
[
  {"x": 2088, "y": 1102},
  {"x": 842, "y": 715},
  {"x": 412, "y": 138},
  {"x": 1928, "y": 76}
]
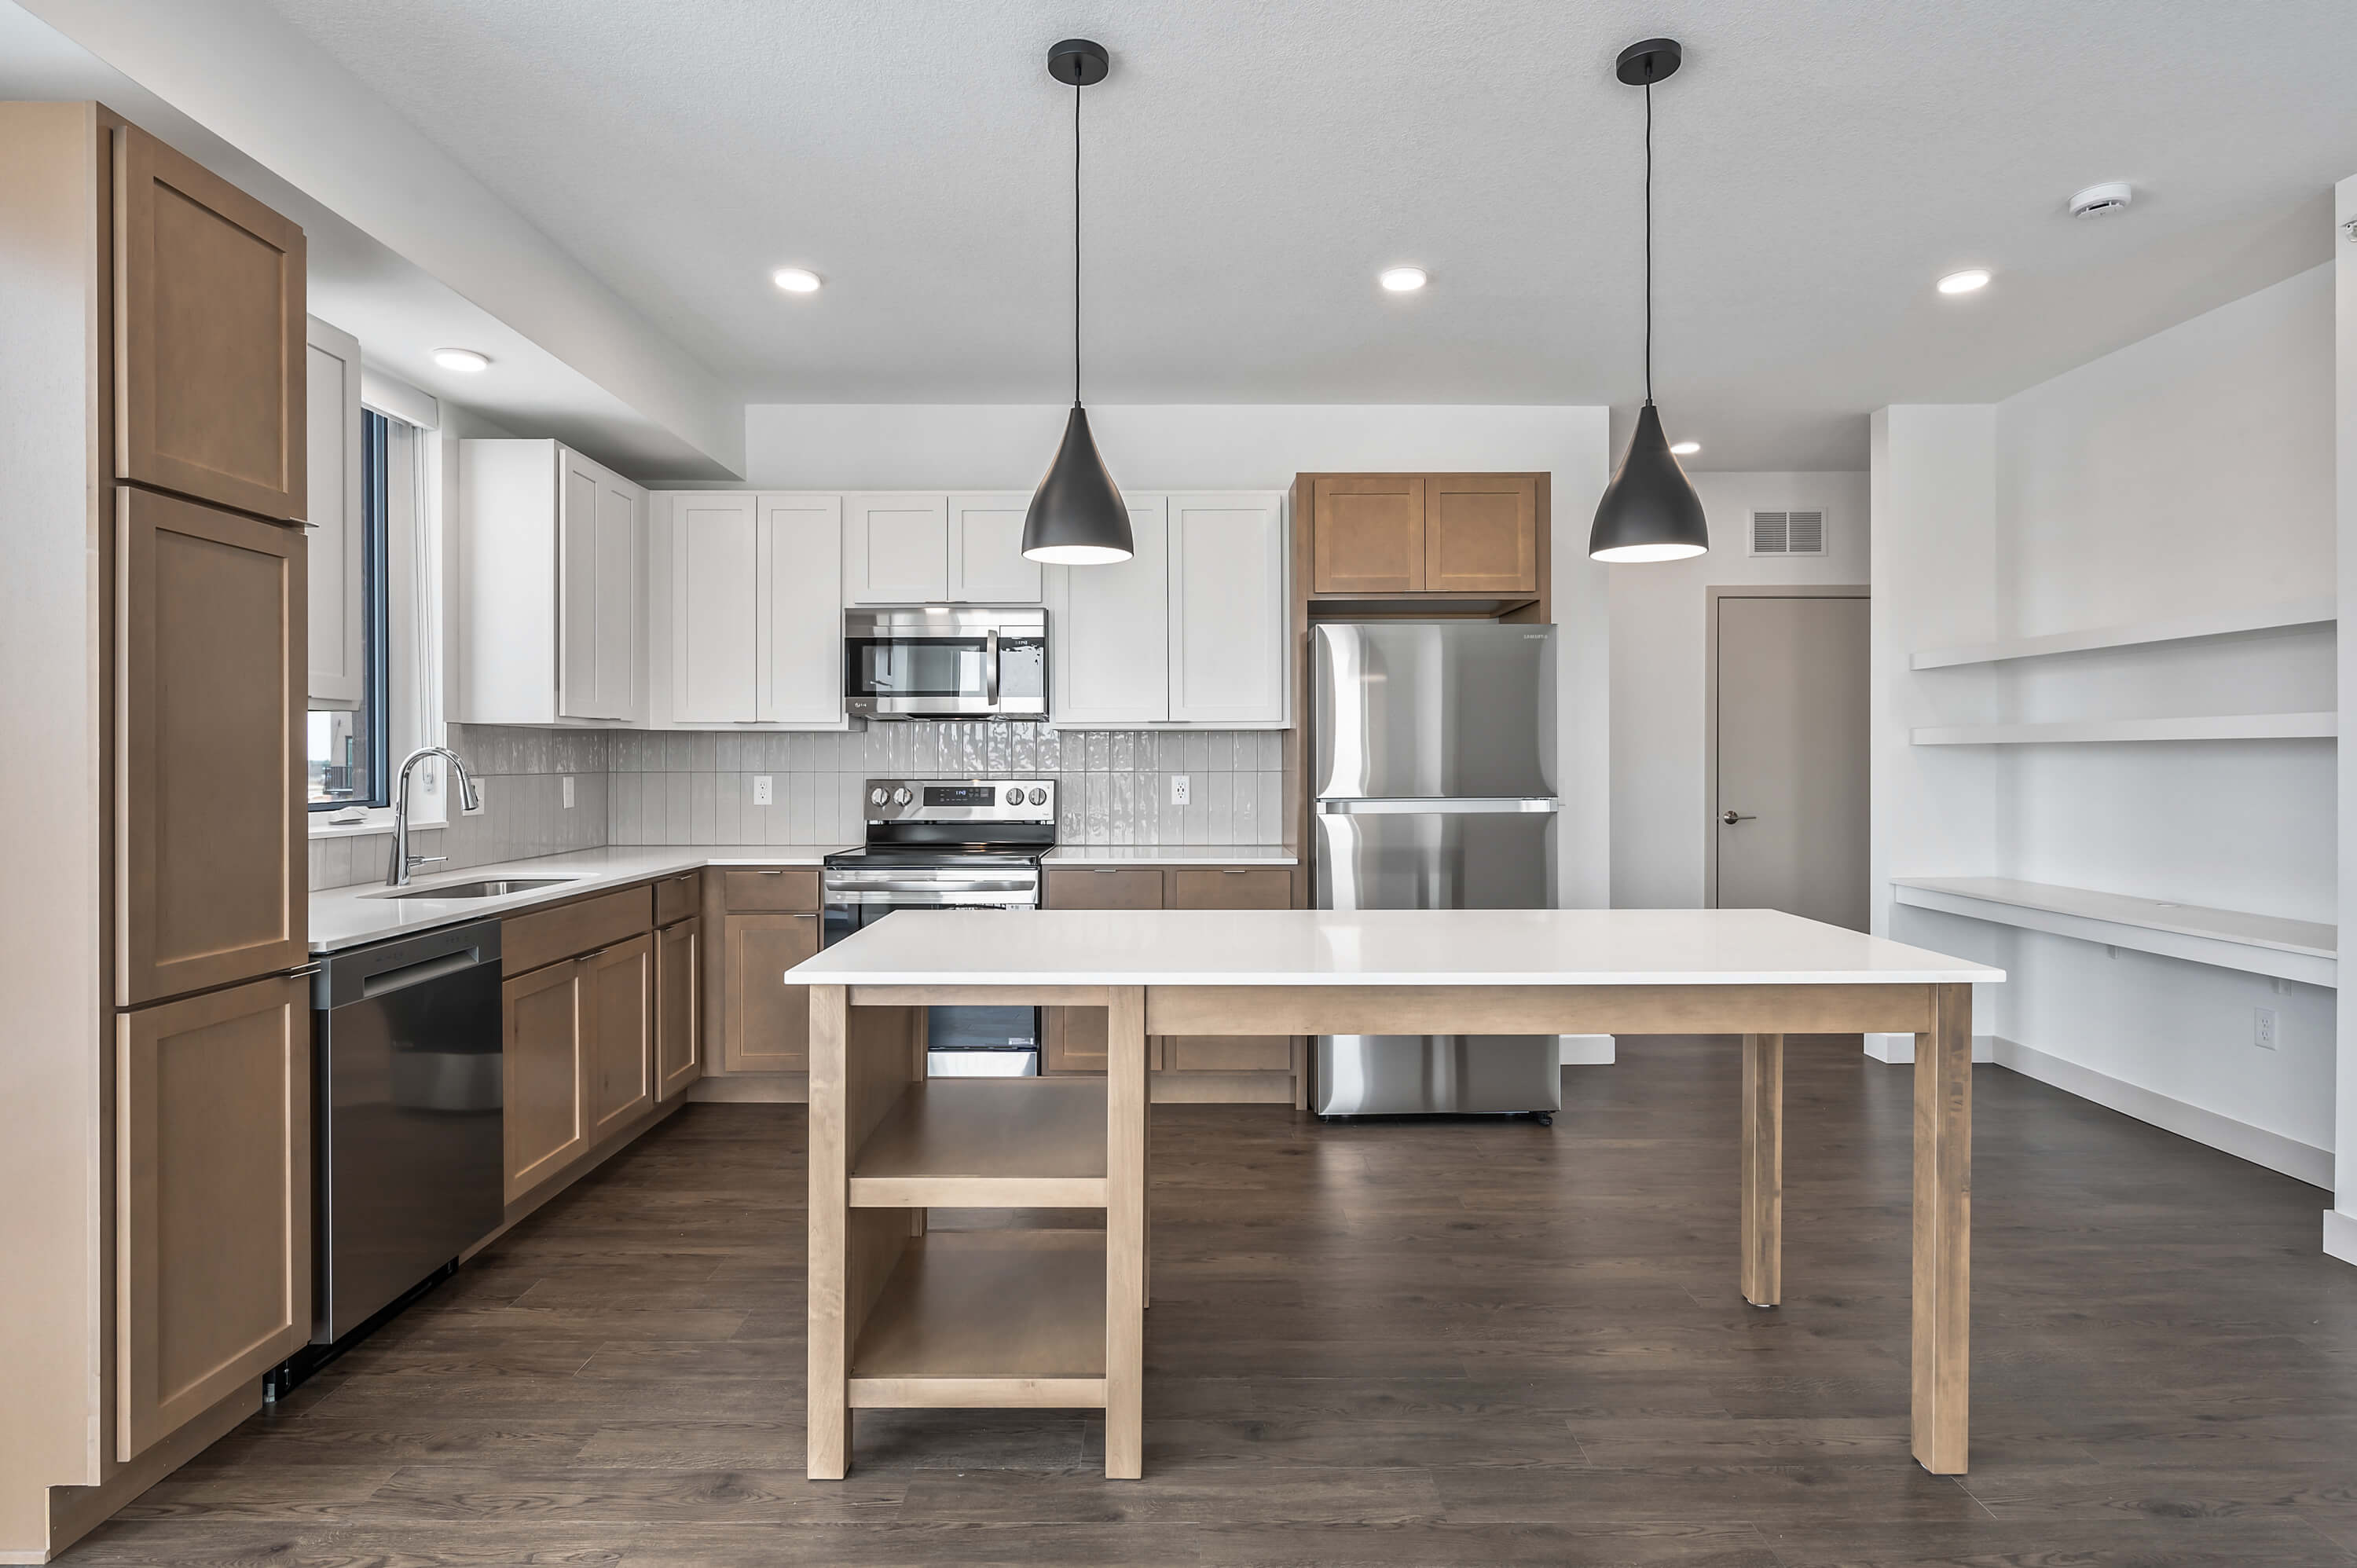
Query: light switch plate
[
  {"x": 1179, "y": 782},
  {"x": 760, "y": 789},
  {"x": 568, "y": 791}
]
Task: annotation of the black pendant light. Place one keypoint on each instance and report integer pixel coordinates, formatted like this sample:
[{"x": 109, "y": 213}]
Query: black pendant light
[
  {"x": 1077, "y": 516},
  {"x": 1649, "y": 512}
]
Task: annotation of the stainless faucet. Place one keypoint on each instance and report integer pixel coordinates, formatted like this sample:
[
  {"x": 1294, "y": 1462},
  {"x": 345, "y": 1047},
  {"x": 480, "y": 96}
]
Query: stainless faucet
[{"x": 397, "y": 874}]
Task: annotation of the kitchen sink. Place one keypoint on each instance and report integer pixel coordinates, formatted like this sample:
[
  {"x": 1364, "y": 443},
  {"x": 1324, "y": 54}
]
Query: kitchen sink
[{"x": 499, "y": 889}]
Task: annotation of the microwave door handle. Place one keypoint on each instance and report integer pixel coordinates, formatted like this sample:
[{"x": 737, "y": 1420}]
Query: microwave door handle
[{"x": 990, "y": 669}]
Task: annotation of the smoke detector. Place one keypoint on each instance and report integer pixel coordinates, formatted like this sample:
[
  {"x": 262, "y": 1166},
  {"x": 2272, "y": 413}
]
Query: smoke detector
[{"x": 2098, "y": 199}]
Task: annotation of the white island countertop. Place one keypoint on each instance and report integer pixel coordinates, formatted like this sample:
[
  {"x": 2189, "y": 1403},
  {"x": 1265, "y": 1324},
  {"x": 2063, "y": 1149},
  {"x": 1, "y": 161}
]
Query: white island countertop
[
  {"x": 1389, "y": 947},
  {"x": 351, "y": 916}
]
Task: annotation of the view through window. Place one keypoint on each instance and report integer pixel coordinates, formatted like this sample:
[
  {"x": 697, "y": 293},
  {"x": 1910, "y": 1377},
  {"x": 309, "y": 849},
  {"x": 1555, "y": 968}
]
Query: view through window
[{"x": 347, "y": 746}]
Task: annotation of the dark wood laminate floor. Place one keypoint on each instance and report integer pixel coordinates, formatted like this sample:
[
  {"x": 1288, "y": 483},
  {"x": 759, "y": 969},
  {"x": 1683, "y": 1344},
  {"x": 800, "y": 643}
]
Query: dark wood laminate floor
[{"x": 1387, "y": 1344}]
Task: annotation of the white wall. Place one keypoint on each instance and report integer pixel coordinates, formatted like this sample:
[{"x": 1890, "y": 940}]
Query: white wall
[
  {"x": 1208, "y": 446},
  {"x": 1660, "y": 680},
  {"x": 2340, "y": 1221},
  {"x": 2191, "y": 471}
]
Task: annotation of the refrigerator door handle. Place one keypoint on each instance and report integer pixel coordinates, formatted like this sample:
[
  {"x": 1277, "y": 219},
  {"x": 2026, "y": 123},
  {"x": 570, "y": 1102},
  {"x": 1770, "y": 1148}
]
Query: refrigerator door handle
[{"x": 1428, "y": 805}]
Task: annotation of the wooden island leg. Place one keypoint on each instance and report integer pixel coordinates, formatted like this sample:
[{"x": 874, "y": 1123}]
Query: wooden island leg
[
  {"x": 1944, "y": 1232},
  {"x": 1126, "y": 1115},
  {"x": 828, "y": 1450},
  {"x": 1764, "y": 1169}
]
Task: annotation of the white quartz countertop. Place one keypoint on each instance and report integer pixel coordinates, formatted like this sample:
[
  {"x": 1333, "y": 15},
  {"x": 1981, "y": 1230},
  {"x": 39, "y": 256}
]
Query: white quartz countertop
[
  {"x": 1390, "y": 947},
  {"x": 1169, "y": 854},
  {"x": 352, "y": 917}
]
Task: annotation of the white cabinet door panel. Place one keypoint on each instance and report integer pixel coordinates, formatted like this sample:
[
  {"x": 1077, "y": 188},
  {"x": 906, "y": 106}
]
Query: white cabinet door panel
[
  {"x": 800, "y": 658},
  {"x": 714, "y": 599},
  {"x": 1110, "y": 640},
  {"x": 897, "y": 548},
  {"x": 620, "y": 508},
  {"x": 576, "y": 595},
  {"x": 332, "y": 388},
  {"x": 1227, "y": 609},
  {"x": 987, "y": 562}
]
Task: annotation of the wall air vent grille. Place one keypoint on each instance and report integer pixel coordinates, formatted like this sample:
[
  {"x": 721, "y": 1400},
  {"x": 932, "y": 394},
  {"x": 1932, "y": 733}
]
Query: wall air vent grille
[{"x": 1788, "y": 533}]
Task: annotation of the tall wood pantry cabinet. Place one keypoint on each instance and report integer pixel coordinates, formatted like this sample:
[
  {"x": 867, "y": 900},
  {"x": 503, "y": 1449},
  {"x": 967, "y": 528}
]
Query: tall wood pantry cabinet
[{"x": 155, "y": 1086}]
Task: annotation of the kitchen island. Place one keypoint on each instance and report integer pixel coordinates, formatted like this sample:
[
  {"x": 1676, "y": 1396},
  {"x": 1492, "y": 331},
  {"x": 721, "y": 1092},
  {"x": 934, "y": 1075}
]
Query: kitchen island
[{"x": 1056, "y": 1319}]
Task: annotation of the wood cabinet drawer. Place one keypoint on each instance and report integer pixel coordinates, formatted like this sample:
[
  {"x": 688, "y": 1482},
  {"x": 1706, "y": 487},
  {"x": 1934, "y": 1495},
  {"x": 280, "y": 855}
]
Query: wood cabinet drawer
[
  {"x": 676, "y": 897},
  {"x": 1231, "y": 887},
  {"x": 528, "y": 941},
  {"x": 782, "y": 891},
  {"x": 1103, "y": 887}
]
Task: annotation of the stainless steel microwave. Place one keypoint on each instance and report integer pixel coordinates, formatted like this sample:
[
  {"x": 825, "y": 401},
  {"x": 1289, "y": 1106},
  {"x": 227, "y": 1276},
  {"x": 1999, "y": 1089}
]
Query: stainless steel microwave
[{"x": 945, "y": 662}]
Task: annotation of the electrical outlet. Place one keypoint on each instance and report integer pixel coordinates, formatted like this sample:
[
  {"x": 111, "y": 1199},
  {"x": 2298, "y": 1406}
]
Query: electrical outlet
[
  {"x": 568, "y": 791},
  {"x": 760, "y": 789},
  {"x": 2263, "y": 1027},
  {"x": 1178, "y": 788}
]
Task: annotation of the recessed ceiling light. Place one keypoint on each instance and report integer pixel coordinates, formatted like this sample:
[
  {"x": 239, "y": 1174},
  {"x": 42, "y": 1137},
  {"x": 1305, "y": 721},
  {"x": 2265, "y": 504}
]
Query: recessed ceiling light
[
  {"x": 1684, "y": 448},
  {"x": 1402, "y": 280},
  {"x": 796, "y": 280},
  {"x": 463, "y": 360},
  {"x": 1966, "y": 281}
]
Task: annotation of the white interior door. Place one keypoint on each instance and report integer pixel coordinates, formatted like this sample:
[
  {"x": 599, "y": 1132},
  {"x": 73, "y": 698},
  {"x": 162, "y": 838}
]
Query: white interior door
[
  {"x": 715, "y": 583},
  {"x": 1792, "y": 770},
  {"x": 987, "y": 562}
]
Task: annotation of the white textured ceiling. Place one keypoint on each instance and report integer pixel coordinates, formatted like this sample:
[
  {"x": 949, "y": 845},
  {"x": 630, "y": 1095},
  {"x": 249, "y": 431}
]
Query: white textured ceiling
[{"x": 1820, "y": 162}]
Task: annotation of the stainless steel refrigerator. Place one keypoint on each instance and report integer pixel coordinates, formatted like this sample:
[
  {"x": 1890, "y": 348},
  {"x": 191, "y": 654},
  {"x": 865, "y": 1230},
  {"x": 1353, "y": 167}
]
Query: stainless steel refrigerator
[{"x": 1433, "y": 780}]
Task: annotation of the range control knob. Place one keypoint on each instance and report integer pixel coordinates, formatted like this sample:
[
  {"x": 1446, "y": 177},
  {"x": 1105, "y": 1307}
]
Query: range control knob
[
  {"x": 901, "y": 796},
  {"x": 876, "y": 797},
  {"x": 1015, "y": 797},
  {"x": 1038, "y": 796}
]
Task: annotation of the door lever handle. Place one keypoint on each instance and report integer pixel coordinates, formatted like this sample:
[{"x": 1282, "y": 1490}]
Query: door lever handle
[{"x": 1730, "y": 817}]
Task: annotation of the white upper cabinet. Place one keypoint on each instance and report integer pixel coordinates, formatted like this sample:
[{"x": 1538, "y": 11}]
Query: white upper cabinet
[
  {"x": 1228, "y": 609},
  {"x": 600, "y": 526},
  {"x": 1191, "y": 630},
  {"x": 332, "y": 387},
  {"x": 551, "y": 557},
  {"x": 987, "y": 562},
  {"x": 800, "y": 538},
  {"x": 896, "y": 549},
  {"x": 1109, "y": 635},
  {"x": 915, "y": 548},
  {"x": 715, "y": 607}
]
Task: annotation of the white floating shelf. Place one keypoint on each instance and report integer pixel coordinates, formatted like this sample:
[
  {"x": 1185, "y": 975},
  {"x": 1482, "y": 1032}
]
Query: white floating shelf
[
  {"x": 2303, "y": 950},
  {"x": 2218, "y": 726},
  {"x": 2318, "y": 611}
]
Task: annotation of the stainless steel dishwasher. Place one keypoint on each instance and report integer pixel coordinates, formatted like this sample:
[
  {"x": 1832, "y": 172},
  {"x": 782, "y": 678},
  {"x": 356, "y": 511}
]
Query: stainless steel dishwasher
[{"x": 408, "y": 1141}]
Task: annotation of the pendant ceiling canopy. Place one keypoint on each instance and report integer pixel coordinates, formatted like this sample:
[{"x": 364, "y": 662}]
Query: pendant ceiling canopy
[
  {"x": 1077, "y": 516},
  {"x": 1650, "y": 510}
]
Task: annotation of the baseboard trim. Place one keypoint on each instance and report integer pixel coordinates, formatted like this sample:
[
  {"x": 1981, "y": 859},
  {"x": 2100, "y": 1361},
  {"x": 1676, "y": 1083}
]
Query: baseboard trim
[
  {"x": 1220, "y": 1089},
  {"x": 2288, "y": 1156},
  {"x": 1900, "y": 1049},
  {"x": 2341, "y": 1235},
  {"x": 75, "y": 1511},
  {"x": 751, "y": 1088}
]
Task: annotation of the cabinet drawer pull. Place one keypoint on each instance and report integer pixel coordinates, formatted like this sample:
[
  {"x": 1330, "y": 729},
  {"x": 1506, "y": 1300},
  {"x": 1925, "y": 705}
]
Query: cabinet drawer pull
[{"x": 773, "y": 871}]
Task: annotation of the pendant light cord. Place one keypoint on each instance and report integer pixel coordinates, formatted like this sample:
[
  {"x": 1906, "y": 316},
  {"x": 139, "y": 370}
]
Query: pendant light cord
[
  {"x": 1649, "y": 236},
  {"x": 1076, "y": 244}
]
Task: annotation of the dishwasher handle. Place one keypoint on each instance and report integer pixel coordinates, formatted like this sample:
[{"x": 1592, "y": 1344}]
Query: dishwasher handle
[
  {"x": 363, "y": 973},
  {"x": 385, "y": 982}
]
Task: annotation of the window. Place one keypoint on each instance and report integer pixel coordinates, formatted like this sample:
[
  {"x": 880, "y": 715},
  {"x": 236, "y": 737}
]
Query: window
[{"x": 347, "y": 747}]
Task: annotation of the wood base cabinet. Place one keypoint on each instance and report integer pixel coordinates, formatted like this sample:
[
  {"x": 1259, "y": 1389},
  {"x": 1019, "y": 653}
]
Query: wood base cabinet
[
  {"x": 542, "y": 1013},
  {"x": 621, "y": 1054},
  {"x": 213, "y": 1200},
  {"x": 764, "y": 1024},
  {"x": 679, "y": 1008},
  {"x": 1074, "y": 1038}
]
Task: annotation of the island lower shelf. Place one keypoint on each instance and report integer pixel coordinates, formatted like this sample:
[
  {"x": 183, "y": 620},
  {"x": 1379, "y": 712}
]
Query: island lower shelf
[
  {"x": 981, "y": 1142},
  {"x": 987, "y": 1319}
]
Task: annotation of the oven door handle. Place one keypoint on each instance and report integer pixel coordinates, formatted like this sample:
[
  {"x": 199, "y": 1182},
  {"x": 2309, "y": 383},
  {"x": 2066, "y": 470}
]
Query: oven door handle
[{"x": 990, "y": 667}]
